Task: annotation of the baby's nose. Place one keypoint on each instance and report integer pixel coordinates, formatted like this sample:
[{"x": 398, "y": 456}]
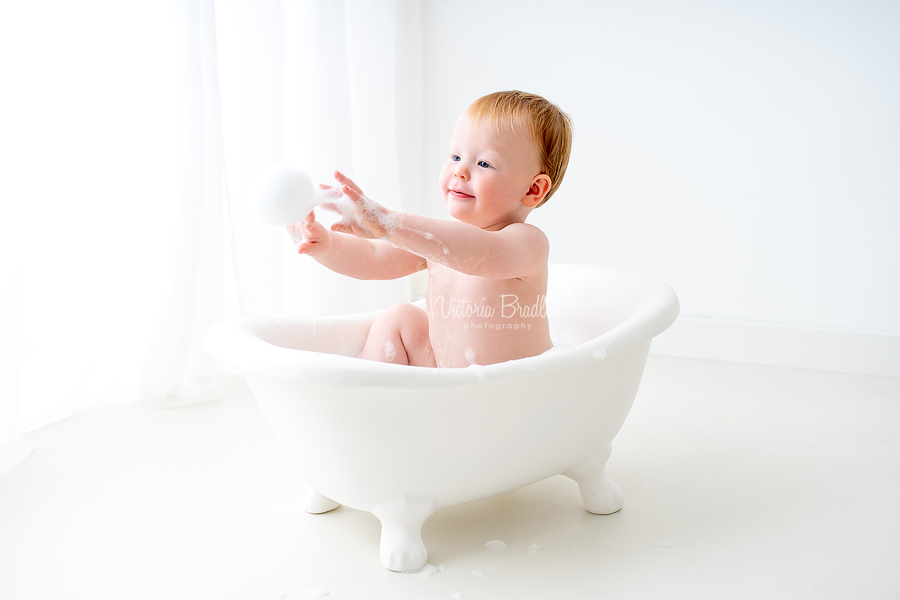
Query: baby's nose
[{"x": 462, "y": 173}]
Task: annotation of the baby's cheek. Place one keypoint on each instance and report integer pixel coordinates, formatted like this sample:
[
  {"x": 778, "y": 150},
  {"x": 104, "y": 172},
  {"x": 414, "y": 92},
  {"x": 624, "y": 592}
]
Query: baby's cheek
[{"x": 444, "y": 177}]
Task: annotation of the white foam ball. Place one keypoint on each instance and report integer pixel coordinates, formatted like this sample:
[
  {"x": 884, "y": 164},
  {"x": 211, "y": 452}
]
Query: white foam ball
[{"x": 284, "y": 194}]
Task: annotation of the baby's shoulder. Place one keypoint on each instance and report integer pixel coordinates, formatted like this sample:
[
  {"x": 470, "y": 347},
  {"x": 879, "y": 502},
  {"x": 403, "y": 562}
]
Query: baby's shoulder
[
  {"x": 527, "y": 233},
  {"x": 524, "y": 229}
]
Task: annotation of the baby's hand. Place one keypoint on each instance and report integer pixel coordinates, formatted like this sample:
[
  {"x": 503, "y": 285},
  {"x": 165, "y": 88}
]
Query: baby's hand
[
  {"x": 361, "y": 216},
  {"x": 309, "y": 236}
]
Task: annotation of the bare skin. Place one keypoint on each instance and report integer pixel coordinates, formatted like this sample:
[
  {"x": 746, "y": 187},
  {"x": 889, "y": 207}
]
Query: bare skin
[{"x": 487, "y": 269}]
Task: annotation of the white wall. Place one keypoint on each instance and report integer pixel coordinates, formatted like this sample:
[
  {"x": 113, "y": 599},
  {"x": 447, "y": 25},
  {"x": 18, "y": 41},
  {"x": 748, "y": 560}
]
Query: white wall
[{"x": 746, "y": 152}]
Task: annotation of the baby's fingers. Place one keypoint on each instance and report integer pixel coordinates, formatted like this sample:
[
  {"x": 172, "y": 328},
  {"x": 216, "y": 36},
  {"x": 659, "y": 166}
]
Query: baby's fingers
[
  {"x": 366, "y": 230},
  {"x": 341, "y": 227},
  {"x": 328, "y": 192},
  {"x": 346, "y": 182},
  {"x": 306, "y": 233},
  {"x": 352, "y": 228},
  {"x": 352, "y": 193},
  {"x": 305, "y": 246},
  {"x": 305, "y": 224},
  {"x": 298, "y": 236},
  {"x": 332, "y": 207}
]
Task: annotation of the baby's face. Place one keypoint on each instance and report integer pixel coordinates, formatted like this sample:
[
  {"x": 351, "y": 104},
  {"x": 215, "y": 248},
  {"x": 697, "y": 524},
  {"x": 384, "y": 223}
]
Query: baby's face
[{"x": 488, "y": 174}]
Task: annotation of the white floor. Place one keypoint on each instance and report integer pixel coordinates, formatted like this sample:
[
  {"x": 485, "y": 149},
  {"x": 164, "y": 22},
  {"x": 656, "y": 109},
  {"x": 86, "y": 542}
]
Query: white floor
[{"x": 740, "y": 482}]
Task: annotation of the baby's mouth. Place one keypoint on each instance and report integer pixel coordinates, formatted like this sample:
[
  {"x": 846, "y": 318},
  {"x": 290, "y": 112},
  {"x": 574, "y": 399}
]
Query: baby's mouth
[{"x": 460, "y": 194}]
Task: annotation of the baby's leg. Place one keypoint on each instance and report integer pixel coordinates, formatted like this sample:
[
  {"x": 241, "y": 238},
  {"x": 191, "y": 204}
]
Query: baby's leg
[{"x": 399, "y": 335}]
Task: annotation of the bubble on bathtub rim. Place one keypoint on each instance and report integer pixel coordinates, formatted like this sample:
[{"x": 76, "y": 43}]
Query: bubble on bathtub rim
[
  {"x": 428, "y": 571},
  {"x": 599, "y": 353},
  {"x": 495, "y": 545},
  {"x": 534, "y": 548}
]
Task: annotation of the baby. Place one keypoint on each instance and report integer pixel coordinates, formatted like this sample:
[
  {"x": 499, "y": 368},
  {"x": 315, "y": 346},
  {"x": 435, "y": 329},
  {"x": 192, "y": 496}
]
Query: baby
[{"x": 488, "y": 269}]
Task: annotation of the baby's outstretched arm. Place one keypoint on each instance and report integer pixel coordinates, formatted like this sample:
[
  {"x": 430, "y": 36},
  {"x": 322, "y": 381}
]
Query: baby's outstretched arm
[
  {"x": 517, "y": 250},
  {"x": 351, "y": 255}
]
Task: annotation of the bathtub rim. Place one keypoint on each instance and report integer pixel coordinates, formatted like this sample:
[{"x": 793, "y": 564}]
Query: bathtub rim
[{"x": 232, "y": 341}]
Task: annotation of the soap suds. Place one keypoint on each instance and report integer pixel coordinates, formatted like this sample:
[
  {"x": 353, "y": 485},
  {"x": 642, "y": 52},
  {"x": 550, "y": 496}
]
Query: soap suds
[
  {"x": 283, "y": 194},
  {"x": 390, "y": 352},
  {"x": 533, "y": 549},
  {"x": 470, "y": 356},
  {"x": 431, "y": 237},
  {"x": 297, "y": 236},
  {"x": 428, "y": 571},
  {"x": 495, "y": 545},
  {"x": 325, "y": 194},
  {"x": 353, "y": 213}
]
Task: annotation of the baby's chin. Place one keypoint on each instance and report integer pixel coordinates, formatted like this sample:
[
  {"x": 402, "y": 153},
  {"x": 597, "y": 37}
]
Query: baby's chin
[{"x": 461, "y": 211}]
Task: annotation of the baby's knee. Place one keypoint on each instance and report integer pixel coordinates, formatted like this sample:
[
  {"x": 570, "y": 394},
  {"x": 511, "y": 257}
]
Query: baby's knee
[
  {"x": 402, "y": 312},
  {"x": 409, "y": 318},
  {"x": 401, "y": 326}
]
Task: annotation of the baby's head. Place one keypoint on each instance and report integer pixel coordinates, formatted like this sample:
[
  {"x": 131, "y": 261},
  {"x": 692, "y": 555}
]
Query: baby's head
[{"x": 550, "y": 127}]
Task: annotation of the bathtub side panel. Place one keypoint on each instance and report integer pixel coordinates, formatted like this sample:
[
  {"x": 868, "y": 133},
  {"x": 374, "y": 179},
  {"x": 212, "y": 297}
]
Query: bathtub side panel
[{"x": 361, "y": 447}]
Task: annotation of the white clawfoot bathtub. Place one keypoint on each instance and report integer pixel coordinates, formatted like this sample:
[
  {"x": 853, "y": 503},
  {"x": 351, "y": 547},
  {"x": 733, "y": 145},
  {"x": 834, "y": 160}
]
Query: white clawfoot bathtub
[{"x": 402, "y": 442}]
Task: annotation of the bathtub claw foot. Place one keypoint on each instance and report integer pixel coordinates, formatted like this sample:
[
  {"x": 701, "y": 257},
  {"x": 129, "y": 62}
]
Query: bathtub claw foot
[
  {"x": 599, "y": 493},
  {"x": 401, "y": 519},
  {"x": 316, "y": 504}
]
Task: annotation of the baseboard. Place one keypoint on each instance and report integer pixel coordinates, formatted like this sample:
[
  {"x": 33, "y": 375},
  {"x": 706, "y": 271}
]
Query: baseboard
[{"x": 835, "y": 350}]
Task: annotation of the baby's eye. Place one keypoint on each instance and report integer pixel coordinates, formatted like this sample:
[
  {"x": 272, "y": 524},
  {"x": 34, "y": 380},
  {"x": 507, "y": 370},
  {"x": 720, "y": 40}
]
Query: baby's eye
[
  {"x": 483, "y": 164},
  {"x": 454, "y": 157}
]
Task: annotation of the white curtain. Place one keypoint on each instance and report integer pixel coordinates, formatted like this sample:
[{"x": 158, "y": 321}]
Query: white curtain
[
  {"x": 353, "y": 70},
  {"x": 128, "y": 140}
]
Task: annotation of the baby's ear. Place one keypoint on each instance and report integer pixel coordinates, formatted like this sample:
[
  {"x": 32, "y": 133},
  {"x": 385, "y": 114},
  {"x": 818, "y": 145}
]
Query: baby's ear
[{"x": 540, "y": 186}]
